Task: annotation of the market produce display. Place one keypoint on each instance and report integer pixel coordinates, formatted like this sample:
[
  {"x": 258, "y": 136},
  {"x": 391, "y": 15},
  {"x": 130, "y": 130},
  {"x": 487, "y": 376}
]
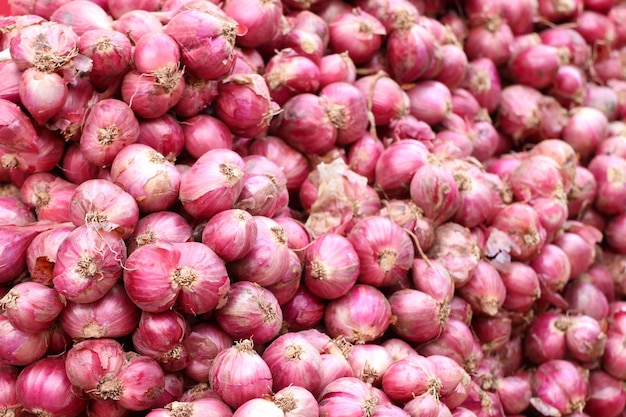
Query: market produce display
[{"x": 333, "y": 208}]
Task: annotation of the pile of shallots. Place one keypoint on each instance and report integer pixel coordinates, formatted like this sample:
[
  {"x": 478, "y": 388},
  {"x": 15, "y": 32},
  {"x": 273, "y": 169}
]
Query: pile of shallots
[{"x": 303, "y": 208}]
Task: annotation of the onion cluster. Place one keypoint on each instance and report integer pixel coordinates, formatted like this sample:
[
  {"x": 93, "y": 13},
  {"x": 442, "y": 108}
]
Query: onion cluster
[{"x": 368, "y": 208}]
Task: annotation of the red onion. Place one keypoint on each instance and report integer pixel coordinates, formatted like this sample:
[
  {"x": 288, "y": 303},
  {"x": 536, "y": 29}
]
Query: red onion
[
  {"x": 262, "y": 19},
  {"x": 363, "y": 155},
  {"x": 56, "y": 399},
  {"x": 583, "y": 191},
  {"x": 134, "y": 381},
  {"x": 410, "y": 51},
  {"x": 607, "y": 171},
  {"x": 100, "y": 204},
  {"x": 432, "y": 278},
  {"x": 136, "y": 23},
  {"x": 336, "y": 68},
  {"x": 407, "y": 215},
  {"x": 524, "y": 236},
  {"x": 434, "y": 190},
  {"x": 306, "y": 43},
  {"x": 485, "y": 290},
  {"x": 457, "y": 342},
  {"x": 82, "y": 16},
  {"x": 455, "y": 381},
  {"x": 9, "y": 403},
  {"x": 14, "y": 211},
  {"x": 455, "y": 64},
  {"x": 385, "y": 251},
  {"x": 476, "y": 196},
  {"x": 46, "y": 46},
  {"x": 425, "y": 405},
  {"x": 110, "y": 126},
  {"x": 286, "y": 287},
  {"x": 250, "y": 311},
  {"x": 21, "y": 348},
  {"x": 289, "y": 401},
  {"x": 227, "y": 227},
  {"x": 456, "y": 250},
  {"x": 537, "y": 65},
  {"x": 110, "y": 51},
  {"x": 41, "y": 254},
  {"x": 431, "y": 101},
  {"x": 298, "y": 236},
  {"x": 358, "y": 33},
  {"x": 583, "y": 297},
  {"x": 196, "y": 96},
  {"x": 585, "y": 338},
  {"x": 42, "y": 94},
  {"x": 294, "y": 361},
  {"x": 556, "y": 12},
  {"x": 156, "y": 52},
  {"x": 147, "y": 176},
  {"x": 606, "y": 395},
  {"x": 461, "y": 310},
  {"x": 212, "y": 184},
  {"x": 268, "y": 256},
  {"x": 612, "y": 360},
  {"x": 522, "y": 286},
  {"x": 303, "y": 311},
  {"x": 76, "y": 168},
  {"x": 491, "y": 40},
  {"x": 398, "y": 348},
  {"x": 188, "y": 274},
  {"x": 559, "y": 387},
  {"x": 515, "y": 392},
  {"x": 327, "y": 275},
  {"x": 93, "y": 365},
  {"x": 201, "y": 34},
  {"x": 152, "y": 95},
  {"x": 89, "y": 263},
  {"x": 14, "y": 241},
  {"x": 347, "y": 108},
  {"x": 545, "y": 338},
  {"x": 410, "y": 377},
  {"x": 585, "y": 129},
  {"x": 306, "y": 125},
  {"x": 602, "y": 98},
  {"x": 165, "y": 226},
  {"x": 101, "y": 318},
  {"x": 244, "y": 104},
  {"x": 159, "y": 336},
  {"x": 483, "y": 81},
  {"x": 552, "y": 267},
  {"x": 406, "y": 157},
  {"x": 49, "y": 195},
  {"x": 24, "y": 148},
  {"x": 293, "y": 163},
  {"x": 370, "y": 362},
  {"x": 420, "y": 317},
  {"x": 386, "y": 99},
  {"x": 360, "y": 316},
  {"x": 241, "y": 367},
  {"x": 349, "y": 396},
  {"x": 288, "y": 74},
  {"x": 31, "y": 306},
  {"x": 569, "y": 84},
  {"x": 264, "y": 191},
  {"x": 595, "y": 28},
  {"x": 493, "y": 332},
  {"x": 203, "y": 343}
]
